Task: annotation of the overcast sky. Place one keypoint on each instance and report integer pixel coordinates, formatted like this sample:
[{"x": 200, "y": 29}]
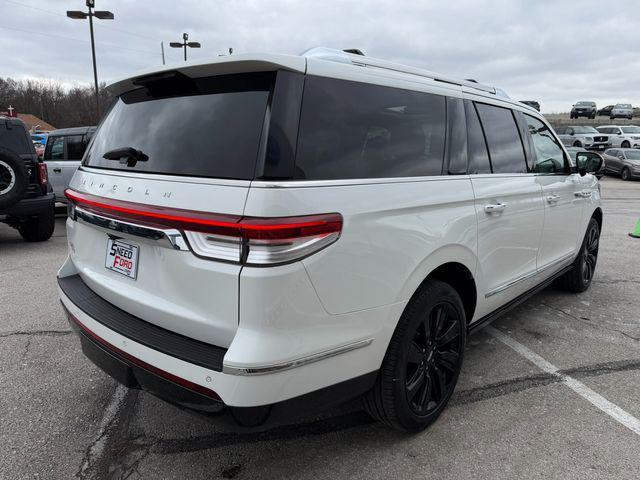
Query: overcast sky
[{"x": 556, "y": 52}]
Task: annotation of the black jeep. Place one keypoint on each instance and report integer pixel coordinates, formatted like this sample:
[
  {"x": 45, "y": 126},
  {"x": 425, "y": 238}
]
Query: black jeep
[{"x": 26, "y": 199}]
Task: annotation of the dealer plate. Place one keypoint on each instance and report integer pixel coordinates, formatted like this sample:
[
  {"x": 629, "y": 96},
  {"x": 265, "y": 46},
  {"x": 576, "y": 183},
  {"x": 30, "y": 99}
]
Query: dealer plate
[{"x": 122, "y": 257}]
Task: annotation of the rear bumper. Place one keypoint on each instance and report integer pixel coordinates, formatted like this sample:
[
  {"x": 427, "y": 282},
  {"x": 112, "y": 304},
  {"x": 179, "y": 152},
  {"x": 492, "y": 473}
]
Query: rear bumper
[
  {"x": 188, "y": 373},
  {"x": 31, "y": 206}
]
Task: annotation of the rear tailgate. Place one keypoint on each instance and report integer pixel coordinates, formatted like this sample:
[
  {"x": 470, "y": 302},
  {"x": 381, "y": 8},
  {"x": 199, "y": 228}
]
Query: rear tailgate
[
  {"x": 182, "y": 145},
  {"x": 171, "y": 288}
]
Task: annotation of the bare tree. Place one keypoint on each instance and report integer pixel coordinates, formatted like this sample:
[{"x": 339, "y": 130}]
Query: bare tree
[{"x": 48, "y": 100}]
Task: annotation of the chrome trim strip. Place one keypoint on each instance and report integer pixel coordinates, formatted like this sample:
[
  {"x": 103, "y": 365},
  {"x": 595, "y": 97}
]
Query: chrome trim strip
[
  {"x": 171, "y": 238},
  {"x": 527, "y": 276},
  {"x": 279, "y": 367}
]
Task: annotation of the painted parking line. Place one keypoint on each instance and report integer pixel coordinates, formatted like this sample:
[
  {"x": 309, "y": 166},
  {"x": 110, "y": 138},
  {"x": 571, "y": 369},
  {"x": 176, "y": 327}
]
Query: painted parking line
[{"x": 580, "y": 388}]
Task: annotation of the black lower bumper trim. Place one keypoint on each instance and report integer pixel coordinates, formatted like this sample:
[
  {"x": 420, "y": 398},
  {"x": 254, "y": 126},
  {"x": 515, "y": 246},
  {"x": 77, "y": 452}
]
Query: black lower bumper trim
[
  {"x": 138, "y": 330},
  {"x": 133, "y": 374}
]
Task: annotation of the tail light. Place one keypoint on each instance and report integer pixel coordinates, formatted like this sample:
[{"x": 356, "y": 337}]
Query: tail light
[
  {"x": 256, "y": 241},
  {"x": 43, "y": 174}
]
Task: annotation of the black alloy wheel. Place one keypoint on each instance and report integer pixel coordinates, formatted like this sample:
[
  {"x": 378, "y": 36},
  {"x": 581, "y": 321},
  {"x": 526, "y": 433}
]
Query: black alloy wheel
[
  {"x": 423, "y": 360},
  {"x": 579, "y": 278},
  {"x": 590, "y": 254},
  {"x": 431, "y": 365}
]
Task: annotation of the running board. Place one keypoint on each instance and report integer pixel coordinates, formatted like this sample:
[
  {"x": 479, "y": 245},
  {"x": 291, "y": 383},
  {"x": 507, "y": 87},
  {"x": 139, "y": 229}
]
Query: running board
[{"x": 487, "y": 319}]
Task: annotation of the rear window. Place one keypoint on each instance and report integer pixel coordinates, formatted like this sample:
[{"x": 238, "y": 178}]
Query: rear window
[
  {"x": 207, "y": 127},
  {"x": 355, "y": 130},
  {"x": 15, "y": 139}
]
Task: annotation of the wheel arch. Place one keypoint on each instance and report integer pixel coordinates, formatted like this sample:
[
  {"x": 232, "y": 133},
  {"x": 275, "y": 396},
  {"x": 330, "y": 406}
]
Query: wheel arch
[
  {"x": 455, "y": 265},
  {"x": 597, "y": 214}
]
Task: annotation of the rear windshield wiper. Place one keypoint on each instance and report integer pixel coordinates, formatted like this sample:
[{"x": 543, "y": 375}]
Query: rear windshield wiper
[{"x": 127, "y": 155}]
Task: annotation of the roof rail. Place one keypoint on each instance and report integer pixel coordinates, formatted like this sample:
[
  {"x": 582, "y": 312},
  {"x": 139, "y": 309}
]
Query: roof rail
[{"x": 349, "y": 56}]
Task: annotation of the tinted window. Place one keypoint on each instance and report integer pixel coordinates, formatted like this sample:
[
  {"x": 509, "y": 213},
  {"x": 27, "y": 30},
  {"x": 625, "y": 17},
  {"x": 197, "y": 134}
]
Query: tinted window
[
  {"x": 605, "y": 130},
  {"x": 355, "y": 130},
  {"x": 561, "y": 130},
  {"x": 456, "y": 136},
  {"x": 503, "y": 139},
  {"x": 75, "y": 147},
  {"x": 15, "y": 139},
  {"x": 208, "y": 127},
  {"x": 477, "y": 148},
  {"x": 584, "y": 130},
  {"x": 54, "y": 149},
  {"x": 631, "y": 129},
  {"x": 632, "y": 155},
  {"x": 548, "y": 154}
]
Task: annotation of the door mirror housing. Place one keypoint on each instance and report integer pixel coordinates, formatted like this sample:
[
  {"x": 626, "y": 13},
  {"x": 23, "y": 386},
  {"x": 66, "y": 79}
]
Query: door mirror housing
[{"x": 589, "y": 162}]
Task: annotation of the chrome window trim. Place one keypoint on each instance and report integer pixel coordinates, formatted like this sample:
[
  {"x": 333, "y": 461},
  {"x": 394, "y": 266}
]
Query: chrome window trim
[{"x": 230, "y": 369}]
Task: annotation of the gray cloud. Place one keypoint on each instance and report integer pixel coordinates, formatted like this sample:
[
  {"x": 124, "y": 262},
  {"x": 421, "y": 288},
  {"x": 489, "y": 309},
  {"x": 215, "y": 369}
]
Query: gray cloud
[{"x": 554, "y": 52}]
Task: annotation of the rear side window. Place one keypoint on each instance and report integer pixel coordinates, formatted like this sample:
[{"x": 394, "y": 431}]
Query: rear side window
[
  {"x": 503, "y": 139},
  {"x": 355, "y": 130},
  {"x": 206, "y": 127},
  {"x": 75, "y": 147},
  {"x": 54, "y": 149},
  {"x": 477, "y": 147}
]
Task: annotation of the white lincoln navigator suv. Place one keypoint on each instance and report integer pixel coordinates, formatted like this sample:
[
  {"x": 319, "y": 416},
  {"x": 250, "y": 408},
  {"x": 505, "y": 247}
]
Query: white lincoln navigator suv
[{"x": 264, "y": 233}]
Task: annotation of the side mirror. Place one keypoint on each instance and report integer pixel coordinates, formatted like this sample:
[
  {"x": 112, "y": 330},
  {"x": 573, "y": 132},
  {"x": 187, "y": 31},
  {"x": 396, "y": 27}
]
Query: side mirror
[{"x": 588, "y": 162}]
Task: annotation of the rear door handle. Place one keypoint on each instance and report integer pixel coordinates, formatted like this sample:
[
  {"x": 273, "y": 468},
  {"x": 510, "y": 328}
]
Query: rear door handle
[
  {"x": 57, "y": 170},
  {"x": 553, "y": 198},
  {"x": 583, "y": 194},
  {"x": 495, "y": 207}
]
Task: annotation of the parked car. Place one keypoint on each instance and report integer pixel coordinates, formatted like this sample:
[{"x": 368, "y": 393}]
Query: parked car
[
  {"x": 531, "y": 103},
  {"x": 26, "y": 200},
  {"x": 583, "y": 109},
  {"x": 340, "y": 243},
  {"x": 623, "y": 136},
  {"x": 39, "y": 148},
  {"x": 605, "y": 112},
  {"x": 573, "y": 154},
  {"x": 624, "y": 162},
  {"x": 587, "y": 137},
  {"x": 63, "y": 154},
  {"x": 622, "y": 110}
]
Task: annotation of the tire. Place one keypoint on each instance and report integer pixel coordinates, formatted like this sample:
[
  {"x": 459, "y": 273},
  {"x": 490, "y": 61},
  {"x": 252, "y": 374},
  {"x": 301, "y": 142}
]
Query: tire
[
  {"x": 578, "y": 279},
  {"x": 13, "y": 178},
  {"x": 423, "y": 360},
  {"x": 40, "y": 228},
  {"x": 577, "y": 144},
  {"x": 593, "y": 116},
  {"x": 625, "y": 144},
  {"x": 625, "y": 174}
]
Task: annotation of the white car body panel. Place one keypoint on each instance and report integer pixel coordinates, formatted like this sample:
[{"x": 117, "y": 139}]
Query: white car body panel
[{"x": 339, "y": 306}]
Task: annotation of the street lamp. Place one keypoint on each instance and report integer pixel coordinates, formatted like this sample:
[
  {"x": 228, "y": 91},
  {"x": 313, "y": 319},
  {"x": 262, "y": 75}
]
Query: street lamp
[
  {"x": 102, "y": 15},
  {"x": 185, "y": 44}
]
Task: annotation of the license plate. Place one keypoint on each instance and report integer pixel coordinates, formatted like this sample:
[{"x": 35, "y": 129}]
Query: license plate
[{"x": 122, "y": 257}]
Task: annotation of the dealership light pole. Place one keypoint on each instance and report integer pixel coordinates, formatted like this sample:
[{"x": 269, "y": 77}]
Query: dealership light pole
[
  {"x": 102, "y": 15},
  {"x": 185, "y": 44}
]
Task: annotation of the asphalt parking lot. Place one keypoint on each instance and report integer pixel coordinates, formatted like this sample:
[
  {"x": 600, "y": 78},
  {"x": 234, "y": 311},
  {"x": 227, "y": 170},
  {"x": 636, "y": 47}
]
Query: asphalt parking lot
[{"x": 61, "y": 417}]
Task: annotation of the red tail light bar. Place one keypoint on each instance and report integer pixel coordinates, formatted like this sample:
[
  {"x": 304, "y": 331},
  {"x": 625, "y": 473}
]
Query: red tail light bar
[{"x": 274, "y": 240}]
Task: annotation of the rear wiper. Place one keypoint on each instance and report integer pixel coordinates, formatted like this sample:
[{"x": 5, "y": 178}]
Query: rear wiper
[{"x": 127, "y": 155}]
